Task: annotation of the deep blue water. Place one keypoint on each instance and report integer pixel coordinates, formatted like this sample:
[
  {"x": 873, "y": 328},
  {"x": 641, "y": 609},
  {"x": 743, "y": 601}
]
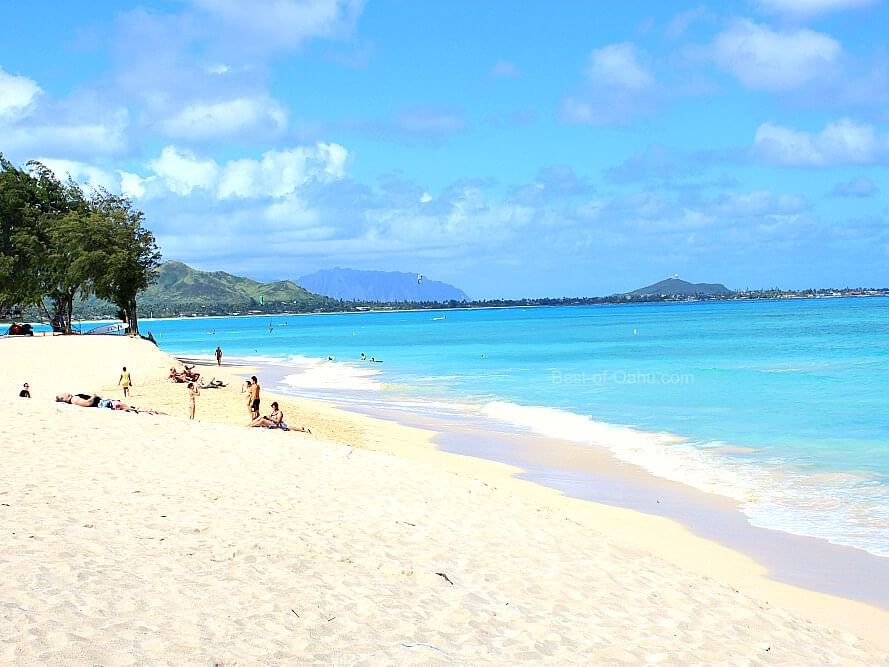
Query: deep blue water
[{"x": 782, "y": 405}]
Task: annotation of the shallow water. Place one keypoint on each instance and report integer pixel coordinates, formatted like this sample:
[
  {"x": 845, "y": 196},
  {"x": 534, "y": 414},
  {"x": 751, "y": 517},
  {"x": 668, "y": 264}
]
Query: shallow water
[{"x": 779, "y": 405}]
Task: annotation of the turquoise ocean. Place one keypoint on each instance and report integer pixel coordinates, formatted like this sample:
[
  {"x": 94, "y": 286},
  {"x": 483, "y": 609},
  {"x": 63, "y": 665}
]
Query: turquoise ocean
[{"x": 782, "y": 406}]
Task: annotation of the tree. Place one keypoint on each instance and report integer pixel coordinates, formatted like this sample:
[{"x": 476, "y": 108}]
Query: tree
[
  {"x": 132, "y": 256},
  {"x": 77, "y": 254},
  {"x": 55, "y": 244},
  {"x": 67, "y": 263},
  {"x": 21, "y": 243}
]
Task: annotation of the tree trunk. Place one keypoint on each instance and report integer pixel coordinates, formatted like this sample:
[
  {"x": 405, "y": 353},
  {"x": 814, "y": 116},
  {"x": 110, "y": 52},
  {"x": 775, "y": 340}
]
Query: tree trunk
[
  {"x": 132, "y": 318},
  {"x": 69, "y": 312}
]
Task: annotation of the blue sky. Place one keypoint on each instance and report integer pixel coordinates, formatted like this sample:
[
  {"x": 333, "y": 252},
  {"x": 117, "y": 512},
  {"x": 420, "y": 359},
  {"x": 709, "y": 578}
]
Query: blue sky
[{"x": 513, "y": 149}]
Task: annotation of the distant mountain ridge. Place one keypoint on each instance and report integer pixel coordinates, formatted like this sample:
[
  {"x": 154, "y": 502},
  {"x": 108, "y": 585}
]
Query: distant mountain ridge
[
  {"x": 383, "y": 286},
  {"x": 183, "y": 286},
  {"x": 677, "y": 287}
]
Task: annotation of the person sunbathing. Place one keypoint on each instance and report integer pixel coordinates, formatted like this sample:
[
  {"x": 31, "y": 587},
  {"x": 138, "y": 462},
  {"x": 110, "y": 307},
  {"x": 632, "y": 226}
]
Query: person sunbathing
[
  {"x": 275, "y": 420},
  {"x": 212, "y": 384},
  {"x": 83, "y": 400},
  {"x": 183, "y": 376},
  {"x": 93, "y": 401}
]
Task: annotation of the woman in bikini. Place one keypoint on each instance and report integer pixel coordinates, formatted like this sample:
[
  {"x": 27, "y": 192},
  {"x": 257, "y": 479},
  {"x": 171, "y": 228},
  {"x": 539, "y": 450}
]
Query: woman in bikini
[
  {"x": 83, "y": 400},
  {"x": 273, "y": 420},
  {"x": 192, "y": 392},
  {"x": 276, "y": 420}
]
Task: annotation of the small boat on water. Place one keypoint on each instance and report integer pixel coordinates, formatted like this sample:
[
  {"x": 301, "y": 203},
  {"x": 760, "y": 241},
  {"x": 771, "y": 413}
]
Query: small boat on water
[{"x": 116, "y": 328}]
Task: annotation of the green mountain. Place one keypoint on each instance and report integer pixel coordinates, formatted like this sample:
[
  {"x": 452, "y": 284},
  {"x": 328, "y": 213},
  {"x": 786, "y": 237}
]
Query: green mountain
[
  {"x": 181, "y": 288},
  {"x": 677, "y": 287}
]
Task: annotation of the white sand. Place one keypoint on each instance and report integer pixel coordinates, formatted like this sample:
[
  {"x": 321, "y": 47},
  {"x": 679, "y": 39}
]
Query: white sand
[{"x": 140, "y": 539}]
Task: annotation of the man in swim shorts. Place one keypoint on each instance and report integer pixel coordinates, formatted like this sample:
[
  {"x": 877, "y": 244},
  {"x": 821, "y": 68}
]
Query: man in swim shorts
[{"x": 253, "y": 397}]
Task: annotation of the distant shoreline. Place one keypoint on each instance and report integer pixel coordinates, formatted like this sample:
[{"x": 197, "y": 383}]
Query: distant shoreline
[{"x": 585, "y": 301}]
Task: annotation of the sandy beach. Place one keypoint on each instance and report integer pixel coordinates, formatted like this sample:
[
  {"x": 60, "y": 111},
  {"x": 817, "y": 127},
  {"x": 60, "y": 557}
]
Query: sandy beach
[{"x": 151, "y": 539}]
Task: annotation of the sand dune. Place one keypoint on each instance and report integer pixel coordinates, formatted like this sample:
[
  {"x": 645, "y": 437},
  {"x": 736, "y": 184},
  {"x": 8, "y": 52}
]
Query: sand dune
[{"x": 143, "y": 539}]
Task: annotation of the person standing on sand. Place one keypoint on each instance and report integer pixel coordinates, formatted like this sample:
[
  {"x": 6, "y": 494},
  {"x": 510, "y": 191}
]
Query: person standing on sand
[
  {"x": 253, "y": 397},
  {"x": 125, "y": 382},
  {"x": 192, "y": 392},
  {"x": 218, "y": 356}
]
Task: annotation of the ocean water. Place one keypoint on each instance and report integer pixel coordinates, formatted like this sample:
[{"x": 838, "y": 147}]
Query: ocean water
[{"x": 782, "y": 406}]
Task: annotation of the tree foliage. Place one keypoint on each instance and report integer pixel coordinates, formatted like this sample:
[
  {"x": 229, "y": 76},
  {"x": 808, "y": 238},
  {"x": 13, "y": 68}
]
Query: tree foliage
[
  {"x": 56, "y": 244},
  {"x": 131, "y": 255}
]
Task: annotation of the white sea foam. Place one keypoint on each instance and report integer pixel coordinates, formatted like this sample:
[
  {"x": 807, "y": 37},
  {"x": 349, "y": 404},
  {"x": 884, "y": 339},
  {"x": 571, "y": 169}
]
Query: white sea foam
[
  {"x": 661, "y": 454},
  {"x": 317, "y": 374},
  {"x": 847, "y": 508}
]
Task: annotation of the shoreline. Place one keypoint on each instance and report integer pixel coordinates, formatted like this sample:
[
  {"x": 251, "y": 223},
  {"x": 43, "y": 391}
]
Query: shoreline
[
  {"x": 439, "y": 308},
  {"x": 299, "y": 544},
  {"x": 783, "y": 560},
  {"x": 594, "y": 474}
]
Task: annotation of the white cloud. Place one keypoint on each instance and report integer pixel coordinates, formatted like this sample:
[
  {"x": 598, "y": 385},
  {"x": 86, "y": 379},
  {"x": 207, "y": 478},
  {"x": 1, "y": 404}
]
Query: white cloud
[
  {"x": 810, "y": 7},
  {"x": 775, "y": 60},
  {"x": 105, "y": 136},
  {"x": 857, "y": 187},
  {"x": 283, "y": 23},
  {"x": 133, "y": 185},
  {"x": 276, "y": 174},
  {"x": 280, "y": 173},
  {"x": 618, "y": 85},
  {"x": 415, "y": 124},
  {"x": 293, "y": 213},
  {"x": 231, "y": 117},
  {"x": 680, "y": 24},
  {"x": 182, "y": 171},
  {"x": 334, "y": 158},
  {"x": 85, "y": 174},
  {"x": 431, "y": 122},
  {"x": 841, "y": 142},
  {"x": 17, "y": 95},
  {"x": 757, "y": 204},
  {"x": 617, "y": 66},
  {"x": 504, "y": 69}
]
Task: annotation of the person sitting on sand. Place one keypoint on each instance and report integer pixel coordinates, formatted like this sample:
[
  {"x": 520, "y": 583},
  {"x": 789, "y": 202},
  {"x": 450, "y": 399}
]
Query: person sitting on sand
[
  {"x": 25, "y": 392},
  {"x": 275, "y": 420}
]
